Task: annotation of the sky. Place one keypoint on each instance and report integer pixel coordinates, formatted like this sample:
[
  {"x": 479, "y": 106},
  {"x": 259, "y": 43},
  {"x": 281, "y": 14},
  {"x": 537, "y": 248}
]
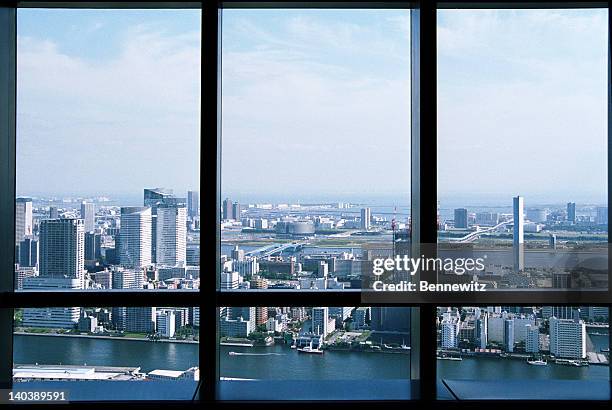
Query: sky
[{"x": 315, "y": 103}]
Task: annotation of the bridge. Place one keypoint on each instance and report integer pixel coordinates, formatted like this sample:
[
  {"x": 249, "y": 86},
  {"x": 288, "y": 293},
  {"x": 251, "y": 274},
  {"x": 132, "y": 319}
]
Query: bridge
[
  {"x": 472, "y": 236},
  {"x": 275, "y": 248}
]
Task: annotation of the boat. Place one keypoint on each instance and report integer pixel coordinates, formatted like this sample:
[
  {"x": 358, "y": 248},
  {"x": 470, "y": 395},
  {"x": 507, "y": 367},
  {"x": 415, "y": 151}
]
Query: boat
[
  {"x": 454, "y": 358},
  {"x": 538, "y": 362},
  {"x": 310, "y": 350},
  {"x": 605, "y": 350},
  {"x": 233, "y": 354},
  {"x": 293, "y": 347}
]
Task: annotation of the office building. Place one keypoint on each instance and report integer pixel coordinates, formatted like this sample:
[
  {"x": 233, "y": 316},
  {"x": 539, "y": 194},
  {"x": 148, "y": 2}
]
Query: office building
[
  {"x": 532, "y": 342},
  {"x": 128, "y": 278},
  {"x": 236, "y": 211},
  {"x": 518, "y": 234},
  {"x": 601, "y": 217},
  {"x": 461, "y": 218},
  {"x": 135, "y": 237},
  {"x": 366, "y": 218},
  {"x": 509, "y": 335},
  {"x": 193, "y": 203},
  {"x": 171, "y": 235},
  {"x": 230, "y": 280},
  {"x": 88, "y": 215},
  {"x": 62, "y": 248},
  {"x": 140, "y": 319},
  {"x": 93, "y": 246},
  {"x": 571, "y": 212},
  {"x": 23, "y": 218},
  {"x": 320, "y": 321},
  {"x": 153, "y": 198},
  {"x": 166, "y": 323},
  {"x": 567, "y": 338},
  {"x": 449, "y": 334},
  {"x": 28, "y": 253},
  {"x": 53, "y": 212},
  {"x": 481, "y": 332},
  {"x": 227, "y": 211}
]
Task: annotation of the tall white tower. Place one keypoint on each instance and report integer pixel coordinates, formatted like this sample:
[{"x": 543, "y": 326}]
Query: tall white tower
[
  {"x": 171, "y": 235},
  {"x": 518, "y": 235},
  {"x": 23, "y": 218},
  {"x": 135, "y": 237}
]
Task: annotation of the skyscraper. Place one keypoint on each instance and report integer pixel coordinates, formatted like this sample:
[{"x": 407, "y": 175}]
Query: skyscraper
[
  {"x": 53, "y": 213},
  {"x": 532, "y": 342},
  {"x": 193, "y": 203},
  {"x": 171, "y": 235},
  {"x": 88, "y": 215},
  {"x": 602, "y": 215},
  {"x": 227, "y": 212},
  {"x": 509, "y": 335},
  {"x": 236, "y": 210},
  {"x": 518, "y": 233},
  {"x": 28, "y": 253},
  {"x": 62, "y": 248},
  {"x": 23, "y": 218},
  {"x": 62, "y": 262},
  {"x": 571, "y": 212},
  {"x": 135, "y": 237},
  {"x": 153, "y": 197},
  {"x": 93, "y": 246},
  {"x": 320, "y": 320},
  {"x": 461, "y": 218},
  {"x": 366, "y": 217}
]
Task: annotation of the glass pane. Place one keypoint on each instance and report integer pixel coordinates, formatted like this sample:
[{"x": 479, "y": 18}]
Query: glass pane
[
  {"x": 522, "y": 145},
  {"x": 316, "y": 105},
  {"x": 107, "y": 106},
  {"x": 520, "y": 352},
  {"x": 123, "y": 353},
  {"x": 315, "y": 353}
]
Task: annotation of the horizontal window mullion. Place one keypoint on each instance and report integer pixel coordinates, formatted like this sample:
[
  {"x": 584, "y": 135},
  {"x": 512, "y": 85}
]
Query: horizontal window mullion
[{"x": 96, "y": 299}]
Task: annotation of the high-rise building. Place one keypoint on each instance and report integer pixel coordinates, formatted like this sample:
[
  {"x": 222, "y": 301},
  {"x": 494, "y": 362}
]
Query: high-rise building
[
  {"x": 560, "y": 312},
  {"x": 461, "y": 218},
  {"x": 481, "y": 332},
  {"x": 62, "y": 248},
  {"x": 320, "y": 321},
  {"x": 166, "y": 323},
  {"x": 509, "y": 335},
  {"x": 390, "y": 319},
  {"x": 193, "y": 203},
  {"x": 236, "y": 210},
  {"x": 366, "y": 218},
  {"x": 140, "y": 319},
  {"x": 601, "y": 217},
  {"x": 88, "y": 215},
  {"x": 153, "y": 197},
  {"x": 53, "y": 213},
  {"x": 229, "y": 280},
  {"x": 171, "y": 235},
  {"x": 227, "y": 212},
  {"x": 62, "y": 263},
  {"x": 93, "y": 246},
  {"x": 28, "y": 253},
  {"x": 567, "y": 338},
  {"x": 532, "y": 342},
  {"x": 571, "y": 212},
  {"x": 237, "y": 254},
  {"x": 450, "y": 331},
  {"x": 135, "y": 237},
  {"x": 23, "y": 218},
  {"x": 518, "y": 233}
]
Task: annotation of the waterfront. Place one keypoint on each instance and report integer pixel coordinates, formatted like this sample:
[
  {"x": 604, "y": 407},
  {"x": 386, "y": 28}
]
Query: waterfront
[
  {"x": 284, "y": 363},
  {"x": 492, "y": 368},
  {"x": 32, "y": 349}
]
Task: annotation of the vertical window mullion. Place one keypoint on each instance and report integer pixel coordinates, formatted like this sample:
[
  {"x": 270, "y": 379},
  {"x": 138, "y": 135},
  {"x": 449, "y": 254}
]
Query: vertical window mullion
[
  {"x": 424, "y": 179},
  {"x": 210, "y": 183},
  {"x": 8, "y": 45}
]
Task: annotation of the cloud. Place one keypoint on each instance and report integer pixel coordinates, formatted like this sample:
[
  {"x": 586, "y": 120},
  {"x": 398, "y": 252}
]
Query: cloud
[{"x": 115, "y": 124}]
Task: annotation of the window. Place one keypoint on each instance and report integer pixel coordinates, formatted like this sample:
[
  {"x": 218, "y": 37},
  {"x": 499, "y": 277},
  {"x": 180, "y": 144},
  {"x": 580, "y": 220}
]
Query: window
[
  {"x": 529, "y": 346},
  {"x": 522, "y": 144},
  {"x": 302, "y": 353},
  {"x": 315, "y": 105},
  {"x": 329, "y": 136},
  {"x": 107, "y": 149}
]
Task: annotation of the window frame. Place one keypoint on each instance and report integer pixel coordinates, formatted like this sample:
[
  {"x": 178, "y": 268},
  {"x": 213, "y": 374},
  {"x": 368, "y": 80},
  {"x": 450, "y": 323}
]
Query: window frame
[{"x": 209, "y": 297}]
